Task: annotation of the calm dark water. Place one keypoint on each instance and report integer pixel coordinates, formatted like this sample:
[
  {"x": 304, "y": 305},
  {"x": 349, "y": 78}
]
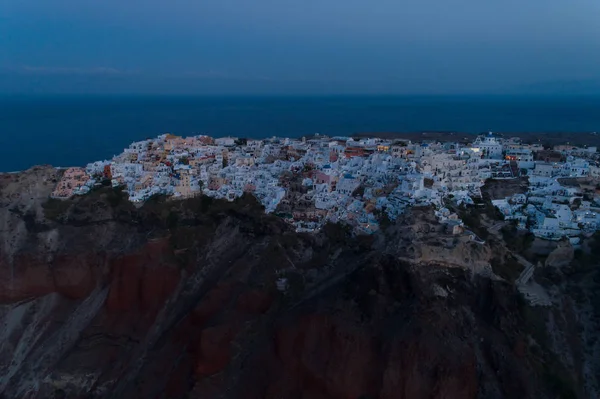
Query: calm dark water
[{"x": 65, "y": 131}]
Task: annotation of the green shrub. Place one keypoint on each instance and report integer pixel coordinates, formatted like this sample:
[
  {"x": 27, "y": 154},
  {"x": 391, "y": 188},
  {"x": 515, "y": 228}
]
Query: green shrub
[{"x": 55, "y": 209}]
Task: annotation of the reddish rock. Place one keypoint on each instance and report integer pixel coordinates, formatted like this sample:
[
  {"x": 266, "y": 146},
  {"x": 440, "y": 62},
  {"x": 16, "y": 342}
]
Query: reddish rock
[
  {"x": 520, "y": 347},
  {"x": 207, "y": 387},
  {"x": 254, "y": 301},
  {"x": 77, "y": 276},
  {"x": 124, "y": 294},
  {"x": 328, "y": 358},
  {"x": 25, "y": 277},
  {"x": 178, "y": 385},
  {"x": 214, "y": 350},
  {"x": 142, "y": 281},
  {"x": 158, "y": 285},
  {"x": 426, "y": 368},
  {"x": 214, "y": 301},
  {"x": 72, "y": 275}
]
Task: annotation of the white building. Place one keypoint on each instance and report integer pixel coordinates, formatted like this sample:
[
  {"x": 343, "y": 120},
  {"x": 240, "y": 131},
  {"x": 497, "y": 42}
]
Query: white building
[
  {"x": 347, "y": 185},
  {"x": 523, "y": 157},
  {"x": 489, "y": 146},
  {"x": 546, "y": 169}
]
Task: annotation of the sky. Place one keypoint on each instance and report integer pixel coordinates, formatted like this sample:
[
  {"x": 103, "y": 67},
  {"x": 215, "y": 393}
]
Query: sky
[{"x": 299, "y": 47}]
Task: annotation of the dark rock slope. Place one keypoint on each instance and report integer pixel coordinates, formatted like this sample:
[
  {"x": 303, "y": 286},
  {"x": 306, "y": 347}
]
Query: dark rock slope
[{"x": 178, "y": 299}]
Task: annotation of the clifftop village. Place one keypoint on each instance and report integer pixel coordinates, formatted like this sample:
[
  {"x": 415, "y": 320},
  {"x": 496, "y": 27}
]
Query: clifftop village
[{"x": 309, "y": 182}]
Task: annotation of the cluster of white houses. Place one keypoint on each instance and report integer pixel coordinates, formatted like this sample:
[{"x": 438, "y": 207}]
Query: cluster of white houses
[{"x": 312, "y": 181}]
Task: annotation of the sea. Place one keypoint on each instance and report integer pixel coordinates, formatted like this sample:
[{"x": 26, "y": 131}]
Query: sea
[{"x": 74, "y": 130}]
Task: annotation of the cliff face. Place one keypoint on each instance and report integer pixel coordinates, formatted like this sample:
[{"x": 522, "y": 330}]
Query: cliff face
[{"x": 179, "y": 299}]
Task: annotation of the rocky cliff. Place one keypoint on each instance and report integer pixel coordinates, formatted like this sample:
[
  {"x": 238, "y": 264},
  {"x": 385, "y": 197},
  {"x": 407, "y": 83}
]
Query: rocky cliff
[{"x": 179, "y": 299}]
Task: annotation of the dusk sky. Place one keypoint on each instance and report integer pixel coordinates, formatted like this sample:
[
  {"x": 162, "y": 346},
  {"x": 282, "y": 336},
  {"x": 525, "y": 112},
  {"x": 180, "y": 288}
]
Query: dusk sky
[{"x": 310, "y": 46}]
